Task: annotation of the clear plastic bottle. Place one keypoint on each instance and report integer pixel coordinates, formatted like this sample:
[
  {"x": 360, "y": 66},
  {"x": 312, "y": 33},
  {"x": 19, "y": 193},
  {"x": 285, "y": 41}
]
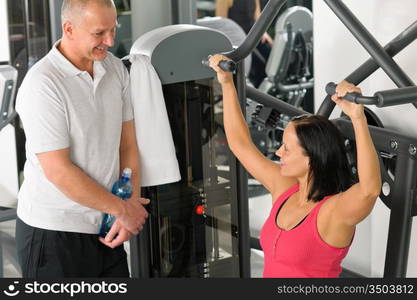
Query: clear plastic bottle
[{"x": 122, "y": 188}]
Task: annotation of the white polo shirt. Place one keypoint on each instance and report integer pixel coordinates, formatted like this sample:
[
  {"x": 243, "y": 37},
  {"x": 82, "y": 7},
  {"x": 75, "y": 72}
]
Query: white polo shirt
[{"x": 63, "y": 107}]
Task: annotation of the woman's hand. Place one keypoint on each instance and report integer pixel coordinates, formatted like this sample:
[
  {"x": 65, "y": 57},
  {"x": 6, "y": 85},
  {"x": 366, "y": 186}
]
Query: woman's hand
[
  {"x": 352, "y": 110},
  {"x": 222, "y": 76}
]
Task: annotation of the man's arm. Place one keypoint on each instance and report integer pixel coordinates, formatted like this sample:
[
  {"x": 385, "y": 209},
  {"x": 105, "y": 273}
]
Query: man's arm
[
  {"x": 79, "y": 187},
  {"x": 129, "y": 155},
  {"x": 129, "y": 158}
]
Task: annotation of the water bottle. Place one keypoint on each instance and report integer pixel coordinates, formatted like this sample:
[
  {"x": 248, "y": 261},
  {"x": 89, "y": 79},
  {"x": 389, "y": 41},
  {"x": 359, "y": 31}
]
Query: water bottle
[{"x": 122, "y": 188}]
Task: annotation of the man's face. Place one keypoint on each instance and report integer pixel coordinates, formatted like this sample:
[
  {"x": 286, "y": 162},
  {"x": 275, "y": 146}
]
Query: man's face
[{"x": 94, "y": 32}]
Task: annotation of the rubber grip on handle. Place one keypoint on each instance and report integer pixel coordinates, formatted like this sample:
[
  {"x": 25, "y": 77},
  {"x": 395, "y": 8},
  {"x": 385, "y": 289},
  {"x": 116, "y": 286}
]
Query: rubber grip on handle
[
  {"x": 331, "y": 90},
  {"x": 225, "y": 65}
]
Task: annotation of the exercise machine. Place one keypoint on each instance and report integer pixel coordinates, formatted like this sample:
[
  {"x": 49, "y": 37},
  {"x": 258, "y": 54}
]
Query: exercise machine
[
  {"x": 8, "y": 160},
  {"x": 289, "y": 67},
  {"x": 198, "y": 226}
]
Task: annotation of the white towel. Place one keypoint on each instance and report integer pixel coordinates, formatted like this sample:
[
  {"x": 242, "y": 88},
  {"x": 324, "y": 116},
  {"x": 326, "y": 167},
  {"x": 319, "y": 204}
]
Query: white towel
[{"x": 158, "y": 162}]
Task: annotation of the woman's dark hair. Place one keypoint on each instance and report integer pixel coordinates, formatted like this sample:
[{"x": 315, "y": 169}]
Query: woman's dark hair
[{"x": 324, "y": 145}]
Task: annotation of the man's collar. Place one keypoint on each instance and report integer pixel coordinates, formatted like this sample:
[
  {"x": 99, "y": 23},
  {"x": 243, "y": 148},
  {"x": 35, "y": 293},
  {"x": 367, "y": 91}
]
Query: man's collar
[
  {"x": 62, "y": 63},
  {"x": 65, "y": 66}
]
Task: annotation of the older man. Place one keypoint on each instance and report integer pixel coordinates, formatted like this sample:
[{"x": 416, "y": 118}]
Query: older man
[{"x": 75, "y": 108}]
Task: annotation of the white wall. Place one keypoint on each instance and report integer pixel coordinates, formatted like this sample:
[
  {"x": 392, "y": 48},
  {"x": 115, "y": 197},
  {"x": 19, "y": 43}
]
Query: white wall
[
  {"x": 336, "y": 55},
  {"x": 4, "y": 32}
]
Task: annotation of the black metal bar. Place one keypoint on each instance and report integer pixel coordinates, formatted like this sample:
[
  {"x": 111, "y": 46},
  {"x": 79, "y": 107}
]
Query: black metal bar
[
  {"x": 381, "y": 137},
  {"x": 405, "y": 182},
  {"x": 242, "y": 188},
  {"x": 255, "y": 243},
  {"x": 398, "y": 245},
  {"x": 397, "y": 96},
  {"x": 414, "y": 207},
  {"x": 352, "y": 97},
  {"x": 273, "y": 102},
  {"x": 140, "y": 256},
  {"x": 370, "y": 44},
  {"x": 350, "y": 274},
  {"x": 259, "y": 28},
  {"x": 7, "y": 100},
  {"x": 395, "y": 46},
  {"x": 298, "y": 86},
  {"x": 385, "y": 98},
  {"x": 6, "y": 122}
]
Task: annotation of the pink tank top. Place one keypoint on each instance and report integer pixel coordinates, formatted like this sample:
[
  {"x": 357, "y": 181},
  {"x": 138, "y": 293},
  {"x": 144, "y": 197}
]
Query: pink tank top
[{"x": 299, "y": 252}]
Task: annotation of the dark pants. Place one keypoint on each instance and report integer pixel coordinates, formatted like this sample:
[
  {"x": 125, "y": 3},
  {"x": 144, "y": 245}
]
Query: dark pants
[{"x": 57, "y": 254}]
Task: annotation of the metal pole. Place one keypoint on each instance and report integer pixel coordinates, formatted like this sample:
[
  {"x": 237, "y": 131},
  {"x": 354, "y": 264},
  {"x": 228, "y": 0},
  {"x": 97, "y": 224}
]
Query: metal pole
[
  {"x": 184, "y": 12},
  {"x": 396, "y": 257},
  {"x": 55, "y": 16},
  {"x": 273, "y": 102},
  {"x": 370, "y": 44},
  {"x": 259, "y": 28},
  {"x": 395, "y": 46},
  {"x": 242, "y": 187}
]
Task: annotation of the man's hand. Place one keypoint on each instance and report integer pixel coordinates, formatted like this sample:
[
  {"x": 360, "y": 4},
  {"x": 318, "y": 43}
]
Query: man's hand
[
  {"x": 134, "y": 215},
  {"x": 116, "y": 236}
]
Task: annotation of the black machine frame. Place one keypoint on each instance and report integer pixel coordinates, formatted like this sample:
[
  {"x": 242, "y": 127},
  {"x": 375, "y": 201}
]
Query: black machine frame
[
  {"x": 401, "y": 180},
  {"x": 147, "y": 263}
]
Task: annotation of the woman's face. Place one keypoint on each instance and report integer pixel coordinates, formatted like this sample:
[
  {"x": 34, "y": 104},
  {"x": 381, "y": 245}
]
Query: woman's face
[{"x": 294, "y": 163}]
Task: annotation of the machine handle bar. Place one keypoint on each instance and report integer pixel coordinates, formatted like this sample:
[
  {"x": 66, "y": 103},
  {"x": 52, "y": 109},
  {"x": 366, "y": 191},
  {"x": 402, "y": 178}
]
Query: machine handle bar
[
  {"x": 225, "y": 65},
  {"x": 352, "y": 97}
]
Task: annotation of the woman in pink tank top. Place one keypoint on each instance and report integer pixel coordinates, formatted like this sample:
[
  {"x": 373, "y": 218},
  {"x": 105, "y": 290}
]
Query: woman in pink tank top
[{"x": 316, "y": 201}]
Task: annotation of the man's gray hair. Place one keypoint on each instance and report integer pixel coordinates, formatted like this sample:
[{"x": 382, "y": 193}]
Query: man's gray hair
[{"x": 72, "y": 8}]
